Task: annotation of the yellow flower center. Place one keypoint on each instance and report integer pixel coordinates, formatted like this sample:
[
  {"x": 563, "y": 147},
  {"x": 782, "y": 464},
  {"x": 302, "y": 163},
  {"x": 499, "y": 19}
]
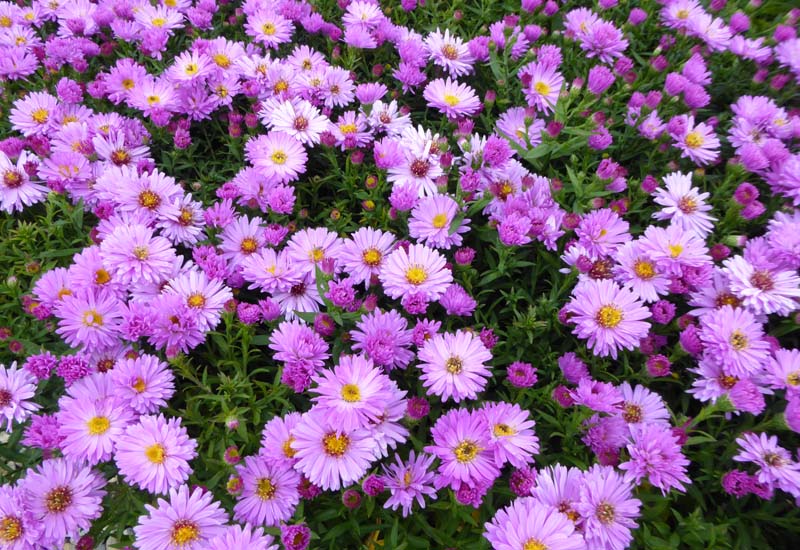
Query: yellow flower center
[
  {"x": 738, "y": 340},
  {"x": 40, "y": 116},
  {"x": 316, "y": 255},
  {"x": 416, "y": 275},
  {"x": 149, "y": 200},
  {"x": 335, "y": 444},
  {"x": 5, "y": 21},
  {"x": 439, "y": 221},
  {"x": 466, "y": 451},
  {"x": 64, "y": 292},
  {"x": 139, "y": 385},
  {"x": 644, "y": 269},
  {"x": 268, "y": 29},
  {"x": 449, "y": 52},
  {"x": 675, "y": 250},
  {"x": 793, "y": 379},
  {"x": 453, "y": 365},
  {"x": 249, "y": 245},
  {"x": 128, "y": 83},
  {"x": 141, "y": 252},
  {"x": 10, "y": 529},
  {"x": 221, "y": 60},
  {"x": 153, "y": 99},
  {"x": 503, "y": 430},
  {"x": 371, "y": 257},
  {"x": 279, "y": 157},
  {"x": 407, "y": 478},
  {"x": 98, "y": 425},
  {"x": 348, "y": 128},
  {"x": 682, "y": 14},
  {"x": 184, "y": 532},
  {"x": 92, "y": 319},
  {"x": 451, "y": 100},
  {"x": 632, "y": 413},
  {"x": 687, "y": 205},
  {"x": 542, "y": 88},
  {"x": 158, "y": 22},
  {"x": 534, "y": 544},
  {"x": 694, "y": 140},
  {"x": 609, "y": 316},
  {"x": 156, "y": 453},
  {"x": 265, "y": 489},
  {"x": 288, "y": 452},
  {"x": 605, "y": 513},
  {"x": 351, "y": 393},
  {"x": 191, "y": 68},
  {"x": 196, "y": 300}
]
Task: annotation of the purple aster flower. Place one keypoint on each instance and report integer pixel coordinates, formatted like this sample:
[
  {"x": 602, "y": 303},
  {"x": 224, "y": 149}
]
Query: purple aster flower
[
  {"x": 559, "y": 486},
  {"x": 43, "y": 434},
  {"x": 452, "y": 98},
  {"x": 608, "y": 509},
  {"x": 373, "y": 485},
  {"x": 734, "y": 339},
  {"x": 237, "y": 537},
  {"x": 420, "y": 270},
  {"x": 529, "y": 524},
  {"x": 461, "y": 442},
  {"x": 511, "y": 433},
  {"x": 295, "y": 537},
  {"x": 663, "y": 312},
  {"x": 384, "y": 338},
  {"x": 521, "y": 375},
  {"x": 656, "y": 455},
  {"x": 63, "y": 497},
  {"x": 601, "y": 232},
  {"x": 17, "y": 387},
  {"x": 434, "y": 222},
  {"x": 409, "y": 481},
  {"x": 698, "y": 142},
  {"x": 189, "y": 521},
  {"x": 761, "y": 289},
  {"x": 746, "y": 396},
  {"x": 608, "y": 316},
  {"x": 364, "y": 254},
  {"x": 453, "y": 365},
  {"x": 542, "y": 85},
  {"x": 572, "y": 367},
  {"x": 522, "y": 481},
  {"x": 596, "y": 395},
  {"x": 276, "y": 439},
  {"x": 296, "y": 343},
  {"x": 776, "y": 467},
  {"x": 606, "y": 435},
  {"x": 642, "y": 406},
  {"x": 91, "y": 426},
  {"x": 89, "y": 320},
  {"x": 457, "y": 301},
  {"x": 417, "y": 408},
  {"x": 674, "y": 248},
  {"x": 683, "y": 204},
  {"x": 269, "y": 492},
  {"x": 143, "y": 383},
  {"x": 19, "y": 529}
]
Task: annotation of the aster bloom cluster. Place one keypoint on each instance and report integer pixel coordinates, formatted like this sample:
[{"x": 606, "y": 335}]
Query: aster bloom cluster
[{"x": 311, "y": 266}]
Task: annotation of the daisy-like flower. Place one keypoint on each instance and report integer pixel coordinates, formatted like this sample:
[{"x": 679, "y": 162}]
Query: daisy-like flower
[
  {"x": 683, "y": 204},
  {"x": 269, "y": 270},
  {"x": 453, "y": 365},
  {"x": 461, "y": 442},
  {"x": 638, "y": 272},
  {"x": 190, "y": 66},
  {"x": 602, "y": 231},
  {"x": 188, "y": 521},
  {"x": 154, "y": 95},
  {"x": 452, "y": 98},
  {"x": 280, "y": 156},
  {"x": 764, "y": 291},
  {"x": 33, "y": 114},
  {"x": 64, "y": 497},
  {"x": 237, "y": 537},
  {"x": 329, "y": 456},
  {"x": 182, "y": 220},
  {"x": 89, "y": 320},
  {"x": 529, "y": 524},
  {"x": 19, "y": 529},
  {"x": 607, "y": 316},
  {"x": 206, "y": 297},
  {"x": 143, "y": 383},
  {"x": 776, "y": 467},
  {"x": 608, "y": 509},
  {"x": 17, "y": 387},
  {"x": 542, "y": 84},
  {"x": 409, "y": 481},
  {"x": 656, "y": 455},
  {"x": 241, "y": 238},
  {"x": 135, "y": 255},
  {"x": 384, "y": 338},
  {"x": 642, "y": 406},
  {"x": 299, "y": 119},
  {"x": 511, "y": 433},
  {"x": 309, "y": 247},
  {"x": 449, "y": 52},
  {"x": 432, "y": 220},
  {"x": 276, "y": 439},
  {"x": 697, "y": 142},
  {"x": 389, "y": 118},
  {"x": 90, "y": 427},
  {"x": 516, "y": 125},
  {"x": 709, "y": 298},
  {"x": 269, "y": 492},
  {"x": 16, "y": 188},
  {"x": 154, "y": 454},
  {"x": 734, "y": 339},
  {"x": 560, "y": 487},
  {"x": 269, "y": 28},
  {"x": 294, "y": 342},
  {"x": 387, "y": 429},
  {"x": 420, "y": 165},
  {"x": 353, "y": 393},
  {"x": 420, "y": 270},
  {"x": 364, "y": 253},
  {"x": 673, "y": 248},
  {"x": 783, "y": 370},
  {"x": 158, "y": 17}
]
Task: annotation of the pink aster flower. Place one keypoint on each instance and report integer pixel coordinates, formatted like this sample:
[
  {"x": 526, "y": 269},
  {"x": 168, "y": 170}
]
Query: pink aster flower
[
  {"x": 353, "y": 393},
  {"x": 143, "y": 383},
  {"x": 269, "y": 492},
  {"x": 683, "y": 204},
  {"x": 542, "y": 85},
  {"x": 237, "y": 537},
  {"x": 453, "y": 365},
  {"x": 608, "y": 509},
  {"x": 452, "y": 98},
  {"x": 280, "y": 156},
  {"x": 449, "y": 52},
  {"x": 34, "y": 113},
  {"x": 134, "y": 254},
  {"x": 409, "y": 481},
  {"x": 384, "y": 338},
  {"x": 329, "y": 456},
  {"x": 761, "y": 289},
  {"x": 308, "y": 248},
  {"x": 17, "y": 190},
  {"x": 277, "y": 438},
  {"x": 241, "y": 238},
  {"x": 607, "y": 316},
  {"x": 298, "y": 118},
  {"x": 295, "y": 342},
  {"x": 528, "y": 523},
  {"x": 19, "y": 529},
  {"x": 189, "y": 521},
  {"x": 642, "y": 406},
  {"x": 783, "y": 371},
  {"x": 89, "y": 320},
  {"x": 154, "y": 453},
  {"x": 559, "y": 486},
  {"x": 656, "y": 455},
  {"x": 697, "y": 142},
  {"x": 674, "y": 248},
  {"x": 511, "y": 433},
  {"x": 63, "y": 497},
  {"x": 776, "y": 467},
  {"x": 735, "y": 340},
  {"x": 269, "y": 270},
  {"x": 364, "y": 254},
  {"x": 461, "y": 442},
  {"x": 517, "y": 125},
  {"x": 205, "y": 297},
  {"x": 434, "y": 222},
  {"x": 17, "y": 387},
  {"x": 638, "y": 272},
  {"x": 90, "y": 427},
  {"x": 602, "y": 231},
  {"x": 268, "y": 27},
  {"x": 420, "y": 270}
]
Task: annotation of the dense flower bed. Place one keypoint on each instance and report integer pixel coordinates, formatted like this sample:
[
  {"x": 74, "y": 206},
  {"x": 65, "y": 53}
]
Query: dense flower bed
[{"x": 292, "y": 274}]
